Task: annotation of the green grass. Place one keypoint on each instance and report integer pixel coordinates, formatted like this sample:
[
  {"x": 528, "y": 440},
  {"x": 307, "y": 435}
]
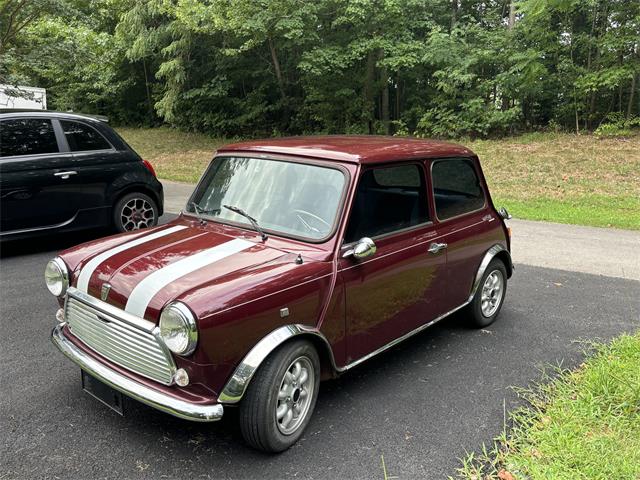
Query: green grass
[
  {"x": 563, "y": 178},
  {"x": 175, "y": 155},
  {"x": 582, "y": 424},
  {"x": 594, "y": 210}
]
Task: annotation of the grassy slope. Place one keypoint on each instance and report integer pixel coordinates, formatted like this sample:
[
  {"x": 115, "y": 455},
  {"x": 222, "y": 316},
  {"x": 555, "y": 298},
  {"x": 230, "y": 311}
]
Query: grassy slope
[
  {"x": 175, "y": 155},
  {"x": 584, "y": 424},
  {"x": 556, "y": 177},
  {"x": 565, "y": 178}
]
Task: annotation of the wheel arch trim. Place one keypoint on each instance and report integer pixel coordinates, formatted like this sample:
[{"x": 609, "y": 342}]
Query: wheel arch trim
[
  {"x": 137, "y": 187},
  {"x": 498, "y": 251},
  {"x": 237, "y": 384}
]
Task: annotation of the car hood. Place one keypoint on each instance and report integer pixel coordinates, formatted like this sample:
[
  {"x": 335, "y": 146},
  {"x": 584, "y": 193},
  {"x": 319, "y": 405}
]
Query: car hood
[{"x": 142, "y": 272}]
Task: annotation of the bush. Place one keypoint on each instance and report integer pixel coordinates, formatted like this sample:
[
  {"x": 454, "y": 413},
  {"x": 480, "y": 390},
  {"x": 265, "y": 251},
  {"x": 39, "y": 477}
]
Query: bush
[
  {"x": 617, "y": 125},
  {"x": 473, "y": 118}
]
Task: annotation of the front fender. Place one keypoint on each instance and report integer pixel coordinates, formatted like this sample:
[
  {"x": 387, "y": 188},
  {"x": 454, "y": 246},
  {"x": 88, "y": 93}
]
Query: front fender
[{"x": 235, "y": 387}]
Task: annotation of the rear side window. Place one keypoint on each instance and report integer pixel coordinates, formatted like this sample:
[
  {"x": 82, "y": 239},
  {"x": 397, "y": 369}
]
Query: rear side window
[
  {"x": 27, "y": 136},
  {"x": 81, "y": 137},
  {"x": 387, "y": 200},
  {"x": 456, "y": 188}
]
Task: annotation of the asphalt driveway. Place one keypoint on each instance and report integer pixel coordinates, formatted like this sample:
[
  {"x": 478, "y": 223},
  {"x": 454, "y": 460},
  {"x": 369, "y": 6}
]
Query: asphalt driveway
[{"x": 421, "y": 405}]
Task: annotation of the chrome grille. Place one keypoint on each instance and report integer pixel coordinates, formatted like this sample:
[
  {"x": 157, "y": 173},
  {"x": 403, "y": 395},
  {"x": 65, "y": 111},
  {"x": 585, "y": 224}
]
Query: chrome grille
[{"x": 130, "y": 346}]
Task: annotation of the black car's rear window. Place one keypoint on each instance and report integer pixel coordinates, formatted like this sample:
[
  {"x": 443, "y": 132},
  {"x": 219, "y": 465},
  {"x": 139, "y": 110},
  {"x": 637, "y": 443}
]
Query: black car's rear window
[
  {"x": 82, "y": 138},
  {"x": 27, "y": 136}
]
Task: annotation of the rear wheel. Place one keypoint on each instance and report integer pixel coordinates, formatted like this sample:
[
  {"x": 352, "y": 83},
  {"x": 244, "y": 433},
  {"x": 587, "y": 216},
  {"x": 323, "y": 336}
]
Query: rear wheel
[
  {"x": 135, "y": 211},
  {"x": 489, "y": 297},
  {"x": 280, "y": 399}
]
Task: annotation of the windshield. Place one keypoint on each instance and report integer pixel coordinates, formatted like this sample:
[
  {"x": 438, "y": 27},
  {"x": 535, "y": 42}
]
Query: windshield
[{"x": 293, "y": 199}]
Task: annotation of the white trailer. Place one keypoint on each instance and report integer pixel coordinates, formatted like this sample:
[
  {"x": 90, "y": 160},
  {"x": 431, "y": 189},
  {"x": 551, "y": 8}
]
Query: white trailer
[{"x": 16, "y": 96}]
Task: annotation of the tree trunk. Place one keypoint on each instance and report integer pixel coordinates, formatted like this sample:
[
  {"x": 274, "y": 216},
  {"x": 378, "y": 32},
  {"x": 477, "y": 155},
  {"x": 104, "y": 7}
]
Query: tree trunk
[
  {"x": 369, "y": 90},
  {"x": 276, "y": 67},
  {"x": 397, "y": 112},
  {"x": 146, "y": 85},
  {"x": 384, "y": 95},
  {"x": 631, "y": 94},
  {"x": 454, "y": 13},
  {"x": 620, "y": 98},
  {"x": 512, "y": 14}
]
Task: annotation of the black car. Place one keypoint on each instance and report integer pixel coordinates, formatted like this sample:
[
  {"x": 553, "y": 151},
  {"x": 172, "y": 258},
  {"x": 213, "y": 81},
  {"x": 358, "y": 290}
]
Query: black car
[{"x": 64, "y": 171}]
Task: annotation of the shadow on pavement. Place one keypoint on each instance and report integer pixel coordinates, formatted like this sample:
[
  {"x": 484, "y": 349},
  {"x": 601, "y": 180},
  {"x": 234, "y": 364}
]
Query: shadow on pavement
[
  {"x": 58, "y": 241},
  {"x": 51, "y": 242}
]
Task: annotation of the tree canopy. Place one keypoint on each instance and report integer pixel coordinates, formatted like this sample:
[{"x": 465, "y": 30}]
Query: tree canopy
[{"x": 440, "y": 68}]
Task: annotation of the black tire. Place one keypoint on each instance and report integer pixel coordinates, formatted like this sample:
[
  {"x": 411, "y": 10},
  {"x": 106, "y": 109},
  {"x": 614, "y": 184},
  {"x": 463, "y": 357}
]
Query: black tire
[
  {"x": 258, "y": 423},
  {"x": 144, "y": 213},
  {"x": 477, "y": 318}
]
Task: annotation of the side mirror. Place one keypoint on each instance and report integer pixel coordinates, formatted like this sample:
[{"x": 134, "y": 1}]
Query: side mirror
[
  {"x": 504, "y": 214},
  {"x": 362, "y": 249}
]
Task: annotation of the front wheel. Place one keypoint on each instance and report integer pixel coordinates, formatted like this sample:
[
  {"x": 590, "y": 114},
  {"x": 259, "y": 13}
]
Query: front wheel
[
  {"x": 280, "y": 399},
  {"x": 489, "y": 297},
  {"x": 135, "y": 211}
]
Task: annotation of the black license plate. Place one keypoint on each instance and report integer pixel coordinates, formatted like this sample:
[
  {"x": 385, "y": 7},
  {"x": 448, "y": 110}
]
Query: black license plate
[{"x": 102, "y": 392}]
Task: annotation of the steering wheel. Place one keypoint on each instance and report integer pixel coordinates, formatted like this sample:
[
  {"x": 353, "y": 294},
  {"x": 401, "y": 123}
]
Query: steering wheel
[{"x": 299, "y": 213}]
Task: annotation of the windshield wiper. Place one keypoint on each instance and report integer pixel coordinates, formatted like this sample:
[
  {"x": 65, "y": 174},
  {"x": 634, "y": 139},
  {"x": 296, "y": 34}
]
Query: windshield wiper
[
  {"x": 253, "y": 221},
  {"x": 199, "y": 210}
]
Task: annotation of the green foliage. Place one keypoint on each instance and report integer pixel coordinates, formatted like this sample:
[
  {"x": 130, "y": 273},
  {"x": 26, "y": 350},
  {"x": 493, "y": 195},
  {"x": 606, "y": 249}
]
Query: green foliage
[
  {"x": 617, "y": 125},
  {"x": 254, "y": 67},
  {"x": 582, "y": 423}
]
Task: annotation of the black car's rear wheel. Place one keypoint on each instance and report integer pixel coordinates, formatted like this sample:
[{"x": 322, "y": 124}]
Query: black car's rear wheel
[
  {"x": 135, "y": 211},
  {"x": 281, "y": 397}
]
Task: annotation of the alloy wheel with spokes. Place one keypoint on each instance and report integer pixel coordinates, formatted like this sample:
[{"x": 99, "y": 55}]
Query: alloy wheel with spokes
[
  {"x": 281, "y": 396},
  {"x": 492, "y": 291},
  {"x": 135, "y": 211},
  {"x": 489, "y": 296},
  {"x": 293, "y": 395}
]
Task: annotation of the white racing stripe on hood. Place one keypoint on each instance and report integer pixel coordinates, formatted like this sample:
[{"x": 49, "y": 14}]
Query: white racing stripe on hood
[
  {"x": 145, "y": 290},
  {"x": 90, "y": 267}
]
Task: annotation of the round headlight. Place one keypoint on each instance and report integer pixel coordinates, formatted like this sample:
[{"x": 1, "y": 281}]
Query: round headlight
[
  {"x": 178, "y": 328},
  {"x": 56, "y": 276}
]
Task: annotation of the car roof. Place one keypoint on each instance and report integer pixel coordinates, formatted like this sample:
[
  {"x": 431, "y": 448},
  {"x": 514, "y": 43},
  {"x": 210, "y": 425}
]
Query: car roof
[
  {"x": 362, "y": 149},
  {"x": 51, "y": 114}
]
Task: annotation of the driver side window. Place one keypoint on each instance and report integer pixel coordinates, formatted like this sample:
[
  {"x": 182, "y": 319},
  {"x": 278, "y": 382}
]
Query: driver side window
[{"x": 388, "y": 199}]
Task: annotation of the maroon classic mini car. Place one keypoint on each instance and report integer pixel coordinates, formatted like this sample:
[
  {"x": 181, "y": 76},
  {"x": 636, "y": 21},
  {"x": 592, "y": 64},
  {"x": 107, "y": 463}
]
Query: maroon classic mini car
[{"x": 295, "y": 259}]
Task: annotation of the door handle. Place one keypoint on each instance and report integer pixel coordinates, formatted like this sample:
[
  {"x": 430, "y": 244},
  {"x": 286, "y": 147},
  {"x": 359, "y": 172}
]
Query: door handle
[
  {"x": 436, "y": 247},
  {"x": 65, "y": 175}
]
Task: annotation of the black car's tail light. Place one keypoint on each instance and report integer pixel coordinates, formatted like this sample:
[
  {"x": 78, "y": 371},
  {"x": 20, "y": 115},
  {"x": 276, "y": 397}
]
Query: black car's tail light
[{"x": 149, "y": 167}]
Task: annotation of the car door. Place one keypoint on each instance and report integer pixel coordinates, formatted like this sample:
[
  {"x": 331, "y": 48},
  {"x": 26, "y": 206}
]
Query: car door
[
  {"x": 33, "y": 159},
  {"x": 466, "y": 222},
  {"x": 96, "y": 163},
  {"x": 397, "y": 289}
]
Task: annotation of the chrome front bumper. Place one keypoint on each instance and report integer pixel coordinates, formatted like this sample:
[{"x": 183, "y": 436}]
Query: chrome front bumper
[{"x": 133, "y": 389}]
